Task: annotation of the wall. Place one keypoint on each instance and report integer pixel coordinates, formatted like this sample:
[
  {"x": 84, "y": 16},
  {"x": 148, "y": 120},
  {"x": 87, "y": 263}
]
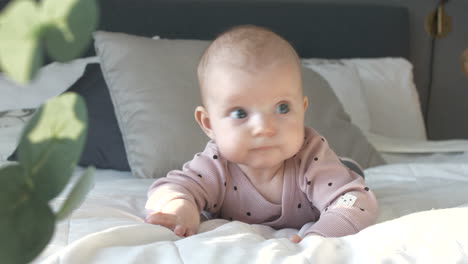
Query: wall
[
  {"x": 448, "y": 105},
  {"x": 449, "y": 89}
]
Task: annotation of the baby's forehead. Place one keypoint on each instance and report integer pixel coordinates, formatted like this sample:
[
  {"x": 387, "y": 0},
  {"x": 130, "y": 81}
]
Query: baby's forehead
[
  {"x": 245, "y": 49},
  {"x": 238, "y": 82}
]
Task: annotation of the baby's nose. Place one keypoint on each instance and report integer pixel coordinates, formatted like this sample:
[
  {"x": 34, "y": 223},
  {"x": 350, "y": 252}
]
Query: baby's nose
[{"x": 264, "y": 126}]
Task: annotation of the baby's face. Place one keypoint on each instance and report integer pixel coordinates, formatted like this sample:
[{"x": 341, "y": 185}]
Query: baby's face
[{"x": 257, "y": 119}]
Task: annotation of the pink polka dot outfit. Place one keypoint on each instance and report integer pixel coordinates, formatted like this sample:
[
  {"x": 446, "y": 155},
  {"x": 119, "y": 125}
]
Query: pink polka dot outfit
[{"x": 317, "y": 188}]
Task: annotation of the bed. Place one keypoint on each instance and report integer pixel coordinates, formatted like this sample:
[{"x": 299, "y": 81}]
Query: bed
[{"x": 141, "y": 63}]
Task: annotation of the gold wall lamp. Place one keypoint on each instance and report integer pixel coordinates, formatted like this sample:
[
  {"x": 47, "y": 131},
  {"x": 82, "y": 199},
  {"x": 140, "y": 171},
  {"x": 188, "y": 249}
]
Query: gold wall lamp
[{"x": 438, "y": 23}]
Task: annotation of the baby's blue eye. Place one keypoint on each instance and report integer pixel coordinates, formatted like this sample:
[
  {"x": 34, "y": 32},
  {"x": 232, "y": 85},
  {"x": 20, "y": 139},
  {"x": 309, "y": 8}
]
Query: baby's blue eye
[
  {"x": 282, "y": 108},
  {"x": 238, "y": 114}
]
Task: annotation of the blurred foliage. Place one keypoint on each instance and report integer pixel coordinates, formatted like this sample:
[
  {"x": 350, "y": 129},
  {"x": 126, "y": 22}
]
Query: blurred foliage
[
  {"x": 30, "y": 29},
  {"x": 53, "y": 140},
  {"x": 49, "y": 149}
]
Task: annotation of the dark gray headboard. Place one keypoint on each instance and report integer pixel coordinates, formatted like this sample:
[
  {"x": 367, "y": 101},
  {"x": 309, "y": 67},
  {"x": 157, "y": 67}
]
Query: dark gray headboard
[{"x": 315, "y": 29}]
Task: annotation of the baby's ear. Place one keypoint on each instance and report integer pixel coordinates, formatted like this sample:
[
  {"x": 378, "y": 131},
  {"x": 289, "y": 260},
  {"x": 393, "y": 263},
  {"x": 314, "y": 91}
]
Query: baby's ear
[
  {"x": 306, "y": 103},
  {"x": 203, "y": 119}
]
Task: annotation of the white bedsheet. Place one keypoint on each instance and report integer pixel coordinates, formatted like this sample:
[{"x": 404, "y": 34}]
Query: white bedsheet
[{"x": 109, "y": 227}]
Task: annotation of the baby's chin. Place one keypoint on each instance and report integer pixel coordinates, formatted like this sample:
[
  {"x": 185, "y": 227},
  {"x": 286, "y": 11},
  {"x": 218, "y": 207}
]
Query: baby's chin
[
  {"x": 260, "y": 158},
  {"x": 263, "y": 162}
]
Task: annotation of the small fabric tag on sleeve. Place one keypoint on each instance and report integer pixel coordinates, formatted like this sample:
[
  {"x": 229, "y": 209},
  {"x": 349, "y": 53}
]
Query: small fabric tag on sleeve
[{"x": 346, "y": 200}]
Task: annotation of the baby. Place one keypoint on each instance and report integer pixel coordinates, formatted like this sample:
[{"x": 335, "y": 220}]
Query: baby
[{"x": 262, "y": 165}]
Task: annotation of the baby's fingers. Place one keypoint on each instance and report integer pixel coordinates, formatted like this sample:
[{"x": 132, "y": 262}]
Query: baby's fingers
[
  {"x": 166, "y": 220},
  {"x": 170, "y": 221},
  {"x": 183, "y": 231},
  {"x": 179, "y": 230},
  {"x": 190, "y": 232},
  {"x": 295, "y": 239}
]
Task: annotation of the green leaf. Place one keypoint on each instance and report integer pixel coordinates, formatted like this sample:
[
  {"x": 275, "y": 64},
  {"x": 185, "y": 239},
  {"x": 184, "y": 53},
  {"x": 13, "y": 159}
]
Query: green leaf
[
  {"x": 77, "y": 194},
  {"x": 25, "y": 231},
  {"x": 52, "y": 142},
  {"x": 20, "y": 49},
  {"x": 14, "y": 189},
  {"x": 26, "y": 223},
  {"x": 70, "y": 24}
]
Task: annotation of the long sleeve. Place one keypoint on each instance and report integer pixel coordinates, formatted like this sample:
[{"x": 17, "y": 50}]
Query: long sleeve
[
  {"x": 345, "y": 203},
  {"x": 200, "y": 181}
]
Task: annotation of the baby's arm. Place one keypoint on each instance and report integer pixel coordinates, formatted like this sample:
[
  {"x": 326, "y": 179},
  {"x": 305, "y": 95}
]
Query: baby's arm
[
  {"x": 340, "y": 219},
  {"x": 345, "y": 203},
  {"x": 176, "y": 200}
]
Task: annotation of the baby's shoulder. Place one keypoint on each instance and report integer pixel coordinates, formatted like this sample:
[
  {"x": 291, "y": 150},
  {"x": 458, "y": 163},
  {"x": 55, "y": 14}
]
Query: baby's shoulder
[
  {"x": 208, "y": 162},
  {"x": 313, "y": 141},
  {"x": 315, "y": 149},
  {"x": 310, "y": 133},
  {"x": 210, "y": 154}
]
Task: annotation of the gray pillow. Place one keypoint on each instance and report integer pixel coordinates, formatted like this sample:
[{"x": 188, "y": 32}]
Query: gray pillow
[
  {"x": 154, "y": 90},
  {"x": 327, "y": 115}
]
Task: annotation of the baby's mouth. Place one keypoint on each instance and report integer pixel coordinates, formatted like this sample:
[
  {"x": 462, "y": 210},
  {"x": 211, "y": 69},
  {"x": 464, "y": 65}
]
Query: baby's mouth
[{"x": 262, "y": 148}]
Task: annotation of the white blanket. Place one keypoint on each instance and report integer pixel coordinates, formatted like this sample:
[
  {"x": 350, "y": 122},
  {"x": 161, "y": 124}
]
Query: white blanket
[
  {"x": 426, "y": 237},
  {"x": 109, "y": 227}
]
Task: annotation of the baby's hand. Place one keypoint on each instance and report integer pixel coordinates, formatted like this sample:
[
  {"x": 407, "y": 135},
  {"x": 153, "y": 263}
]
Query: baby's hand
[
  {"x": 179, "y": 226},
  {"x": 295, "y": 238},
  {"x": 179, "y": 216}
]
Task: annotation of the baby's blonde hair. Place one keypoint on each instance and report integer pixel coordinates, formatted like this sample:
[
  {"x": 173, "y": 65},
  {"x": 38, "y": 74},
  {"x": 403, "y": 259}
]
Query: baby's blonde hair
[{"x": 248, "y": 48}]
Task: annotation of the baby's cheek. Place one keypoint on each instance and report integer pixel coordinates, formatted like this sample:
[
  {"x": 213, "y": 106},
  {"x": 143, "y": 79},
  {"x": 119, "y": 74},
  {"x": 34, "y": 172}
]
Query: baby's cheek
[
  {"x": 295, "y": 140},
  {"x": 232, "y": 149}
]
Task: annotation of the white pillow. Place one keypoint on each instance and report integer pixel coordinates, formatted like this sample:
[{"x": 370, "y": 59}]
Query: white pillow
[
  {"x": 51, "y": 80},
  {"x": 392, "y": 98},
  {"x": 346, "y": 83},
  {"x": 385, "y": 91}
]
